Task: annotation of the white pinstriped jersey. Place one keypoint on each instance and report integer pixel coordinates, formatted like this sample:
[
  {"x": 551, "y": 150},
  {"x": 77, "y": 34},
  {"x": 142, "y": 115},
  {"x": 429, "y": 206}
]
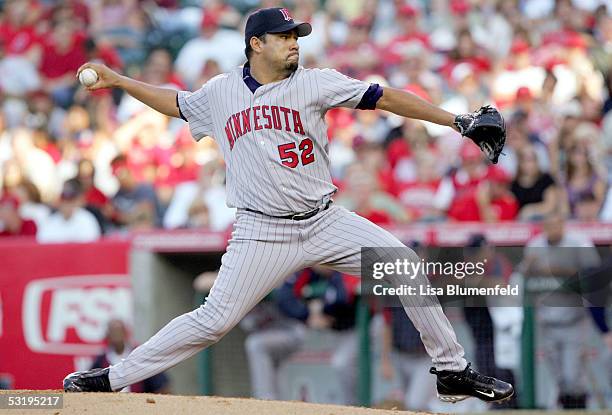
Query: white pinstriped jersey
[{"x": 274, "y": 140}]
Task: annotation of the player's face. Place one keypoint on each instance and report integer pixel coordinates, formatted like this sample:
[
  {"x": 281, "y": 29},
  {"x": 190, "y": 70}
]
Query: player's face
[{"x": 282, "y": 50}]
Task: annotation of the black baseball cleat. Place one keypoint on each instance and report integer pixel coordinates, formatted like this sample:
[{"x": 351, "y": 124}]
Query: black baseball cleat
[
  {"x": 95, "y": 380},
  {"x": 457, "y": 386}
]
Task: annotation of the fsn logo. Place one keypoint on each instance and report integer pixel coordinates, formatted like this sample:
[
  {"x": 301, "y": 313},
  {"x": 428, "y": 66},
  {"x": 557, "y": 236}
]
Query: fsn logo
[
  {"x": 286, "y": 14},
  {"x": 68, "y": 315}
]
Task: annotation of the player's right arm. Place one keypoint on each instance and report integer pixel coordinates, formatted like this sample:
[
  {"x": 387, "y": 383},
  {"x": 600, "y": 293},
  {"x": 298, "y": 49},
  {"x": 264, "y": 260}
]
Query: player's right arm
[{"x": 163, "y": 100}]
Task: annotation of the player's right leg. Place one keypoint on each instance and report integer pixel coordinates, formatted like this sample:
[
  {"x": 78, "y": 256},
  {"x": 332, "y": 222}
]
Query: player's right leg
[{"x": 259, "y": 257}]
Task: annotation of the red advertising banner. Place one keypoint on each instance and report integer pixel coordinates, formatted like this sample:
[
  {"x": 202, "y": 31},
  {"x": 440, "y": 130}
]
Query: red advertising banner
[{"x": 55, "y": 302}]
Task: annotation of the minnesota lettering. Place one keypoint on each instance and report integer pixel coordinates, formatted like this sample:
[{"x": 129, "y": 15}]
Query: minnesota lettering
[{"x": 262, "y": 117}]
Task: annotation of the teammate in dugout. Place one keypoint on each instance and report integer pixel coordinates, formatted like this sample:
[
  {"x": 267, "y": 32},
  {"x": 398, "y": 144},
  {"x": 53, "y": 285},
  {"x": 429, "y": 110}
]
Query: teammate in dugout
[{"x": 268, "y": 119}]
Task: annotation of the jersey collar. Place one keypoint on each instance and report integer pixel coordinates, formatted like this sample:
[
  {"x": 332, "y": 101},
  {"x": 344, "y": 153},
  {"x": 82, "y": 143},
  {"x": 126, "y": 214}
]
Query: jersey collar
[{"x": 250, "y": 82}]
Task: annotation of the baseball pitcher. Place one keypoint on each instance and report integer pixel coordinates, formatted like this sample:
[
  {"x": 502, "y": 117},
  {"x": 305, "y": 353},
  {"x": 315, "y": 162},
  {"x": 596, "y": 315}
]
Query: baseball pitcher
[{"x": 268, "y": 118}]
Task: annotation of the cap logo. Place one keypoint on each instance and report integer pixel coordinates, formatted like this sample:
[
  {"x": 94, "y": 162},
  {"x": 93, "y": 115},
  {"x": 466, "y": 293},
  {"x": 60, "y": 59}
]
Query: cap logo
[{"x": 286, "y": 14}]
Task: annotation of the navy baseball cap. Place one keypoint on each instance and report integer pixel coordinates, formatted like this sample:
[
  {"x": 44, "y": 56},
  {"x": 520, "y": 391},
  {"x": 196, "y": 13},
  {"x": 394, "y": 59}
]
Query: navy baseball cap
[{"x": 273, "y": 20}]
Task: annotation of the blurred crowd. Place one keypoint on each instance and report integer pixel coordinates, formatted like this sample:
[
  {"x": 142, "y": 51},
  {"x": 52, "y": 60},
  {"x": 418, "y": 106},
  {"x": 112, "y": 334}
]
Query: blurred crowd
[{"x": 75, "y": 165}]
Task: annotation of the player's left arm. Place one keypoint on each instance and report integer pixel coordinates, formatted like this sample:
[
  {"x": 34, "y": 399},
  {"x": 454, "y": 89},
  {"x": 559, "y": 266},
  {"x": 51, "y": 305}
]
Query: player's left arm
[{"x": 409, "y": 105}]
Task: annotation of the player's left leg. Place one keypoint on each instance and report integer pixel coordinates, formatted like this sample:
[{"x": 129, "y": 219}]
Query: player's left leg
[{"x": 336, "y": 239}]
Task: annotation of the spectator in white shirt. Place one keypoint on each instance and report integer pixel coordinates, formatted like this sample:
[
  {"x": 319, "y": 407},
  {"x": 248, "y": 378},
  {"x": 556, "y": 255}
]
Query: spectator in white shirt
[
  {"x": 225, "y": 46},
  {"x": 72, "y": 222}
]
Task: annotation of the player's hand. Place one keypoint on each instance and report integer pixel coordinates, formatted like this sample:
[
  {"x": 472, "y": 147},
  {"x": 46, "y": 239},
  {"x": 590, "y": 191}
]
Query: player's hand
[{"x": 107, "y": 78}]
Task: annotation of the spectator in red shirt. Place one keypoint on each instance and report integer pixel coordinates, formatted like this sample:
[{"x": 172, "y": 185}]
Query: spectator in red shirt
[
  {"x": 18, "y": 32},
  {"x": 63, "y": 54},
  {"x": 93, "y": 195},
  {"x": 182, "y": 164},
  {"x": 410, "y": 31},
  {"x": 11, "y": 223},
  {"x": 472, "y": 171},
  {"x": 490, "y": 201},
  {"x": 19, "y": 54},
  {"x": 359, "y": 56},
  {"x": 45, "y": 142},
  {"x": 466, "y": 52},
  {"x": 570, "y": 22},
  {"x": 418, "y": 195},
  {"x": 141, "y": 140}
]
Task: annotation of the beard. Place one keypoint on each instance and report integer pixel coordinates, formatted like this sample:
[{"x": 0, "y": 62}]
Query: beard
[{"x": 291, "y": 67}]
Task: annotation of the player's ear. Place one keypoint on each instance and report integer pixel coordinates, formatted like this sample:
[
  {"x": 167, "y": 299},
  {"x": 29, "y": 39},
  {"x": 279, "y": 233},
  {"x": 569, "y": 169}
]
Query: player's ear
[{"x": 257, "y": 43}]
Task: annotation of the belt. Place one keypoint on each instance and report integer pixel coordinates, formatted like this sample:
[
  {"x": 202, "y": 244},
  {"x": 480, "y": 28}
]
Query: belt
[{"x": 299, "y": 216}]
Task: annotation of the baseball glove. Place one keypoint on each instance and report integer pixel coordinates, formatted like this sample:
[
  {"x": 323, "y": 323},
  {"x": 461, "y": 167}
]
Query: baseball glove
[{"x": 485, "y": 127}]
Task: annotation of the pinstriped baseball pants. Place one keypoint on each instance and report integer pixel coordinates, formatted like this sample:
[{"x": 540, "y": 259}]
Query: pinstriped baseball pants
[{"x": 262, "y": 252}]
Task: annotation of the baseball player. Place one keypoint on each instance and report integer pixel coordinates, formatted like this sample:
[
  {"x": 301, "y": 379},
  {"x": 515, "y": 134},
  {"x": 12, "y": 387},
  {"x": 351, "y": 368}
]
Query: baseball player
[{"x": 268, "y": 120}]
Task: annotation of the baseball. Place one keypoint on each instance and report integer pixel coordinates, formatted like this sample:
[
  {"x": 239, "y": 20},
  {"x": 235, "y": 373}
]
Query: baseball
[{"x": 88, "y": 77}]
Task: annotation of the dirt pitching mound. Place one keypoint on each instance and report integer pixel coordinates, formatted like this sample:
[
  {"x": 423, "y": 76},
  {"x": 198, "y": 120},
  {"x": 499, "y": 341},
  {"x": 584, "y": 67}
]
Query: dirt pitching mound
[{"x": 142, "y": 403}]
